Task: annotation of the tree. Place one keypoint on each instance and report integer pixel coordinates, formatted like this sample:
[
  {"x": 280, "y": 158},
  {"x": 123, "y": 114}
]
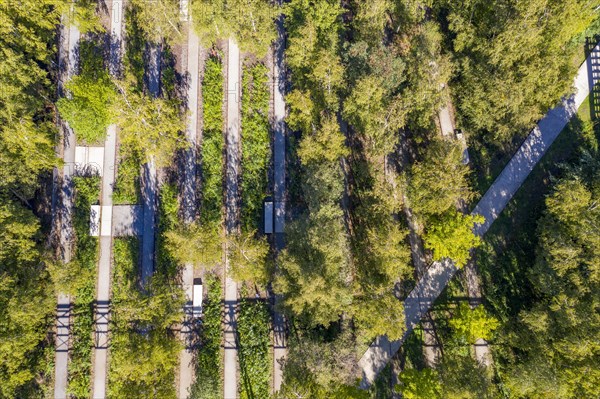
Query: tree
[
  {"x": 463, "y": 378},
  {"x": 327, "y": 144},
  {"x": 159, "y": 20},
  {"x": 452, "y": 237},
  {"x": 151, "y": 126},
  {"x": 25, "y": 298},
  {"x": 250, "y": 22},
  {"x": 368, "y": 110},
  {"x": 380, "y": 314},
  {"x": 506, "y": 52},
  {"x": 199, "y": 244},
  {"x": 558, "y": 336},
  {"x": 85, "y": 16},
  {"x": 420, "y": 384},
  {"x": 471, "y": 324},
  {"x": 248, "y": 257},
  {"x": 439, "y": 182},
  {"x": 90, "y": 107}
]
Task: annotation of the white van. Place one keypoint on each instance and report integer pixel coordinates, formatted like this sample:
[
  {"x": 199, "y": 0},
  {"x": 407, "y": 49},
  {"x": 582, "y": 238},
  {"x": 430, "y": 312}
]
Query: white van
[{"x": 197, "y": 298}]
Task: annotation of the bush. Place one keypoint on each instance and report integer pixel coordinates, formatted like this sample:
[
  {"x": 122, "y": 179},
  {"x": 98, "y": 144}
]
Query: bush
[
  {"x": 127, "y": 184},
  {"x": 254, "y": 357},
  {"x": 256, "y": 149},
  {"x": 212, "y": 142},
  {"x": 87, "y": 192},
  {"x": 208, "y": 384},
  {"x": 89, "y": 109}
]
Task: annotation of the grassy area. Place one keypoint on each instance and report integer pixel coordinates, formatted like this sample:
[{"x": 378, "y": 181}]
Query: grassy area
[
  {"x": 127, "y": 184},
  {"x": 212, "y": 142},
  {"x": 166, "y": 265},
  {"x": 254, "y": 355},
  {"x": 208, "y": 384},
  {"x": 87, "y": 192},
  {"x": 255, "y": 143}
]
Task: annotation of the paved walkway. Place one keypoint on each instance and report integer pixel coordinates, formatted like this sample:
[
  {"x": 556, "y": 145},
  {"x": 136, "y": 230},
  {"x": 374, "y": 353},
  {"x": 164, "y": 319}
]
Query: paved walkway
[
  {"x": 279, "y": 193},
  {"x": 149, "y": 181},
  {"x": 69, "y": 39},
  {"x": 186, "y": 356},
  {"x": 230, "y": 384},
  {"x": 430, "y": 286},
  {"x": 101, "y": 317}
]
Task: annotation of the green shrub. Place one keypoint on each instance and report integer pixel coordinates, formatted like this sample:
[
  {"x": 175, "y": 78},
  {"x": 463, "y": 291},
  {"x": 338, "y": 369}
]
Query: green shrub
[
  {"x": 254, "y": 342},
  {"x": 212, "y": 142},
  {"x": 127, "y": 184},
  {"x": 87, "y": 192},
  {"x": 89, "y": 110},
  {"x": 208, "y": 384},
  {"x": 256, "y": 149}
]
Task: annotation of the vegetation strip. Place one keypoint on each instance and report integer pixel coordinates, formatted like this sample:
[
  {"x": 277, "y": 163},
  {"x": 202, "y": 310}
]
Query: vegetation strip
[{"x": 87, "y": 192}]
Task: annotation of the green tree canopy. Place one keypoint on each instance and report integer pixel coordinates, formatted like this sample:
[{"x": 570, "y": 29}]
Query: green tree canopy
[
  {"x": 200, "y": 244},
  {"x": 158, "y": 20},
  {"x": 149, "y": 125},
  {"x": 452, "y": 237},
  {"x": 250, "y": 22},
  {"x": 471, "y": 324},
  {"x": 510, "y": 73},
  {"x": 90, "y": 107},
  {"x": 420, "y": 384},
  {"x": 440, "y": 180},
  {"x": 559, "y": 336},
  {"x": 248, "y": 258}
]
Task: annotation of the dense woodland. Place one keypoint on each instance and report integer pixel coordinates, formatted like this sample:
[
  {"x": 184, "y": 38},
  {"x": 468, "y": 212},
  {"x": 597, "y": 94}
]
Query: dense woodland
[{"x": 367, "y": 166}]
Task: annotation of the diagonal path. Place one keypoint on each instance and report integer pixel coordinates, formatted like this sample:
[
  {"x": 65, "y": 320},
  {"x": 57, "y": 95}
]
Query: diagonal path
[
  {"x": 102, "y": 311},
  {"x": 69, "y": 39},
  {"x": 431, "y": 285},
  {"x": 230, "y": 385}
]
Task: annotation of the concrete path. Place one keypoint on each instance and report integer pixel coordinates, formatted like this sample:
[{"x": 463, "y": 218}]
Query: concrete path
[
  {"x": 279, "y": 193},
  {"x": 100, "y": 355},
  {"x": 69, "y": 39},
  {"x": 230, "y": 383},
  {"x": 149, "y": 181},
  {"x": 186, "y": 356},
  {"x": 101, "y": 317},
  {"x": 430, "y": 286},
  {"x": 149, "y": 202}
]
